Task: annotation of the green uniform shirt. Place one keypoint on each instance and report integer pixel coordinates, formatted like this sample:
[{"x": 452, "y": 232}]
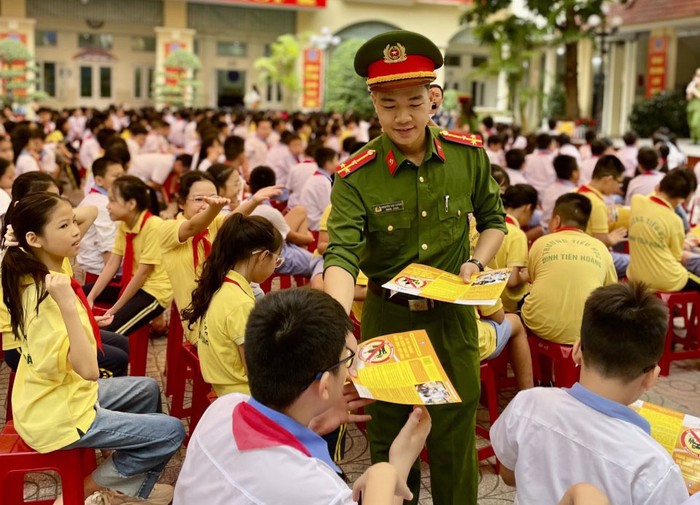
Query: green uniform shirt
[{"x": 381, "y": 222}]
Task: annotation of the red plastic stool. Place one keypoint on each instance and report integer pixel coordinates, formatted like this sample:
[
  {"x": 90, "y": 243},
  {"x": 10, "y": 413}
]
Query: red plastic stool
[
  {"x": 683, "y": 305},
  {"x": 138, "y": 345},
  {"x": 18, "y": 459},
  {"x": 285, "y": 281},
  {"x": 178, "y": 381},
  {"x": 547, "y": 357},
  {"x": 175, "y": 336},
  {"x": 200, "y": 389},
  {"x": 313, "y": 245}
]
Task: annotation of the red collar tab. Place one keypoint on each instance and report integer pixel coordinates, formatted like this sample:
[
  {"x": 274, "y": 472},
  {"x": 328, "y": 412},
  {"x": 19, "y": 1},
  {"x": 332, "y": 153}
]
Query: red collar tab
[
  {"x": 586, "y": 189},
  {"x": 391, "y": 164},
  {"x": 438, "y": 149},
  {"x": 512, "y": 221},
  {"x": 661, "y": 202},
  {"x": 568, "y": 228},
  {"x": 253, "y": 430},
  {"x": 357, "y": 161},
  {"x": 463, "y": 138}
]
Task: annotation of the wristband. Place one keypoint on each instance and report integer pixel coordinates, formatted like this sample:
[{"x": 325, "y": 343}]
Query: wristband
[{"x": 477, "y": 263}]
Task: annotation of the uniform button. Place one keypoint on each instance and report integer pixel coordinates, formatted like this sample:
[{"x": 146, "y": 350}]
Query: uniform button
[
  {"x": 459, "y": 212},
  {"x": 421, "y": 179},
  {"x": 424, "y": 214},
  {"x": 390, "y": 228},
  {"x": 424, "y": 247}
]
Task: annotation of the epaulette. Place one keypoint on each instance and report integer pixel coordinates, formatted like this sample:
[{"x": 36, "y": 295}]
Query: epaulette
[
  {"x": 467, "y": 139},
  {"x": 359, "y": 160}
]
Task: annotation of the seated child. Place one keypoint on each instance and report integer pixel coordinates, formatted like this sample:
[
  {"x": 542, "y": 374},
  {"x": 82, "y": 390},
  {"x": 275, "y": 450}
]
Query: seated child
[
  {"x": 316, "y": 194},
  {"x": 144, "y": 291},
  {"x": 265, "y": 448},
  {"x": 519, "y": 202},
  {"x": 657, "y": 236},
  {"x": 246, "y": 249},
  {"x": 96, "y": 245},
  {"x": 607, "y": 180},
  {"x": 649, "y": 177},
  {"x": 498, "y": 330},
  {"x": 515, "y": 161},
  {"x": 58, "y": 401},
  {"x": 567, "y": 179},
  {"x": 548, "y": 439},
  {"x": 565, "y": 267}
]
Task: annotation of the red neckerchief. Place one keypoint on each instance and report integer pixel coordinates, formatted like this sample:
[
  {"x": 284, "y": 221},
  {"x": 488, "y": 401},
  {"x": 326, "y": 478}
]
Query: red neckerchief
[
  {"x": 83, "y": 299},
  {"x": 95, "y": 190},
  {"x": 171, "y": 185},
  {"x": 510, "y": 220},
  {"x": 586, "y": 189},
  {"x": 231, "y": 281},
  {"x": 200, "y": 237},
  {"x": 253, "y": 430},
  {"x": 568, "y": 228},
  {"x": 128, "y": 265},
  {"x": 661, "y": 202}
]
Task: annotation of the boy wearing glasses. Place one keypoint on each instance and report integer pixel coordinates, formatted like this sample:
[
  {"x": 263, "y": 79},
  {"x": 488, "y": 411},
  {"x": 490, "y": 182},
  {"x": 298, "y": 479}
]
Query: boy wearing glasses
[
  {"x": 608, "y": 176},
  {"x": 549, "y": 439},
  {"x": 266, "y": 448}
]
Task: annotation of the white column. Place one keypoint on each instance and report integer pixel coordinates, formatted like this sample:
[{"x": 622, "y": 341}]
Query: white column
[
  {"x": 612, "y": 85},
  {"x": 629, "y": 84},
  {"x": 503, "y": 100},
  {"x": 440, "y": 72},
  {"x": 550, "y": 70},
  {"x": 585, "y": 77}
]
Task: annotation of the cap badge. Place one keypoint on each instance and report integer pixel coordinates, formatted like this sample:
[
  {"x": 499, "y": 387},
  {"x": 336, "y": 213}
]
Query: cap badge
[{"x": 394, "y": 54}]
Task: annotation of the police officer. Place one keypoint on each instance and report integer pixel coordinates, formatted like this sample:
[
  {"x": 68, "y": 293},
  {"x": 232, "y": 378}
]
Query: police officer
[{"x": 406, "y": 198}]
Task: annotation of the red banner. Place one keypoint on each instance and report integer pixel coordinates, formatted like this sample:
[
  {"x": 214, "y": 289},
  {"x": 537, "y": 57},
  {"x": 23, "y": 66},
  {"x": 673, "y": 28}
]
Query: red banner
[
  {"x": 313, "y": 83},
  {"x": 307, "y": 4},
  {"x": 656, "y": 65}
]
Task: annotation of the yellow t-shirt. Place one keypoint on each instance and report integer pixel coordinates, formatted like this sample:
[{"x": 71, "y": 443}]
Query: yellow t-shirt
[
  {"x": 8, "y": 338},
  {"x": 50, "y": 401},
  {"x": 598, "y": 222},
  {"x": 656, "y": 238},
  {"x": 221, "y": 331},
  {"x": 487, "y": 333},
  {"x": 356, "y": 310},
  {"x": 178, "y": 262},
  {"x": 565, "y": 267},
  {"x": 511, "y": 254},
  {"x": 147, "y": 251},
  {"x": 55, "y": 137}
]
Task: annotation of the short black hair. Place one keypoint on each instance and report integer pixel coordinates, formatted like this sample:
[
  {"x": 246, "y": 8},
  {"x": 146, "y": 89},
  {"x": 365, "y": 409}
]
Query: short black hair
[
  {"x": 500, "y": 175},
  {"x": 678, "y": 183},
  {"x": 543, "y": 141},
  {"x": 130, "y": 187},
  {"x": 630, "y": 138},
  {"x": 323, "y": 155},
  {"x": 515, "y": 159},
  {"x": 261, "y": 177},
  {"x": 608, "y": 165},
  {"x": 648, "y": 158},
  {"x": 598, "y": 147},
  {"x": 102, "y": 164},
  {"x": 573, "y": 209},
  {"x": 494, "y": 139},
  {"x": 292, "y": 335},
  {"x": 434, "y": 85},
  {"x": 233, "y": 147},
  {"x": 189, "y": 179},
  {"x": 623, "y": 330},
  {"x": 518, "y": 195},
  {"x": 563, "y": 139},
  {"x": 590, "y": 135},
  {"x": 565, "y": 166},
  {"x": 488, "y": 122},
  {"x": 185, "y": 159}
]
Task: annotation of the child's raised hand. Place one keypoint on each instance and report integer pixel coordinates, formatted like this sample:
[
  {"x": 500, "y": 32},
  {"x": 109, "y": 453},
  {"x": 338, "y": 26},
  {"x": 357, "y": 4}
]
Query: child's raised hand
[
  {"x": 217, "y": 202},
  {"x": 267, "y": 193},
  {"x": 410, "y": 440},
  {"x": 58, "y": 286}
]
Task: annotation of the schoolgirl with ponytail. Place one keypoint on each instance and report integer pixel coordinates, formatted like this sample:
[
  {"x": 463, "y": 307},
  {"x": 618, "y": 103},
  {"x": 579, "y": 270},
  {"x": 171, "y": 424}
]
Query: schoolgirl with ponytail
[
  {"x": 246, "y": 249},
  {"x": 144, "y": 291},
  {"x": 58, "y": 401}
]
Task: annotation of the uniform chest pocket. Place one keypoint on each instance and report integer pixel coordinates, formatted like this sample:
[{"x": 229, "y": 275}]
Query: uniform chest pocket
[
  {"x": 388, "y": 233},
  {"x": 454, "y": 221}
]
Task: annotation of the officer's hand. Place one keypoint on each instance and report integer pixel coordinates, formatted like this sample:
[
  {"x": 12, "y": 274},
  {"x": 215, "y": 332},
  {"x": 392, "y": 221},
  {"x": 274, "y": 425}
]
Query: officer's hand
[
  {"x": 467, "y": 270},
  {"x": 410, "y": 441}
]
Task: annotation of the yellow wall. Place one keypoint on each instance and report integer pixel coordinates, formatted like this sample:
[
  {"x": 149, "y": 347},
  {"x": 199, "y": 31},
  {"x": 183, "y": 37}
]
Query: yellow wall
[
  {"x": 174, "y": 14},
  {"x": 13, "y": 8}
]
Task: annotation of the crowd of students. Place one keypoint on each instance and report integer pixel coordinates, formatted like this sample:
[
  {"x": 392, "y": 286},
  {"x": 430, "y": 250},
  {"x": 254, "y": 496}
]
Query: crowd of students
[{"x": 200, "y": 207}]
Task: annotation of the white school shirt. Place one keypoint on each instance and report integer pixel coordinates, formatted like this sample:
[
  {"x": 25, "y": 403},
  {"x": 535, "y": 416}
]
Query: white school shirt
[
  {"x": 644, "y": 184},
  {"x": 571, "y": 150},
  {"x": 217, "y": 472},
  {"x": 26, "y": 163},
  {"x": 515, "y": 176},
  {"x": 274, "y": 216},
  {"x": 554, "y": 438},
  {"x": 154, "y": 167},
  {"x": 539, "y": 170},
  {"x": 298, "y": 177},
  {"x": 255, "y": 151},
  {"x": 549, "y": 198},
  {"x": 316, "y": 196},
  {"x": 99, "y": 238},
  {"x": 155, "y": 143},
  {"x": 586, "y": 169},
  {"x": 628, "y": 156},
  {"x": 89, "y": 151},
  {"x": 280, "y": 159},
  {"x": 5, "y": 200}
]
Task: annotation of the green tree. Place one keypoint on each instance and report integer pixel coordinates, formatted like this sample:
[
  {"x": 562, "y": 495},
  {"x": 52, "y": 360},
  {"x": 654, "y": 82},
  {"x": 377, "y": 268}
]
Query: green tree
[
  {"x": 345, "y": 90},
  {"x": 281, "y": 67},
  {"x": 178, "y": 86},
  {"x": 563, "y": 22},
  {"x": 15, "y": 66}
]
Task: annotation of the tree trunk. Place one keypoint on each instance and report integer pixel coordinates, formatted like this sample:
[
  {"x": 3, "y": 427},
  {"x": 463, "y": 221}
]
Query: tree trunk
[{"x": 571, "y": 81}]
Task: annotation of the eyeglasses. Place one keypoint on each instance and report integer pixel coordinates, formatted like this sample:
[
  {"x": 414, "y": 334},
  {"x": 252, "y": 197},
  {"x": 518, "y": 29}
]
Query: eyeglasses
[
  {"x": 279, "y": 260},
  {"x": 200, "y": 199}
]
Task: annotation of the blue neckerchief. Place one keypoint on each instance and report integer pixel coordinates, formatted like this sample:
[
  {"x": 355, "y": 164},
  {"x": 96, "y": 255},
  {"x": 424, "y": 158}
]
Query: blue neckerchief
[
  {"x": 317, "y": 446},
  {"x": 608, "y": 407},
  {"x": 325, "y": 174},
  {"x": 100, "y": 189}
]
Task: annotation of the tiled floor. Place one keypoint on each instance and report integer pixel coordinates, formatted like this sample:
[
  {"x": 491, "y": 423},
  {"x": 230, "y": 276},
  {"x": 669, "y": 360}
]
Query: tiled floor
[{"x": 681, "y": 391}]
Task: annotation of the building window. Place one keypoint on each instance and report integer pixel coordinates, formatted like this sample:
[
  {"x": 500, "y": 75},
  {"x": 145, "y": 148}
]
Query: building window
[
  {"x": 105, "y": 82},
  {"x": 95, "y": 40},
  {"x": 137, "y": 82},
  {"x": 48, "y": 78},
  {"x": 477, "y": 61},
  {"x": 149, "y": 82},
  {"x": 234, "y": 48},
  {"x": 45, "y": 39},
  {"x": 85, "y": 82},
  {"x": 143, "y": 44},
  {"x": 143, "y": 81},
  {"x": 453, "y": 60}
]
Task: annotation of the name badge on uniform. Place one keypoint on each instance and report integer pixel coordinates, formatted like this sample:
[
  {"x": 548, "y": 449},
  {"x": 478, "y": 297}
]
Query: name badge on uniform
[{"x": 385, "y": 208}]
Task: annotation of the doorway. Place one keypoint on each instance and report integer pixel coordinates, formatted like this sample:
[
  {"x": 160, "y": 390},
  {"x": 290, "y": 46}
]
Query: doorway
[{"x": 230, "y": 88}]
